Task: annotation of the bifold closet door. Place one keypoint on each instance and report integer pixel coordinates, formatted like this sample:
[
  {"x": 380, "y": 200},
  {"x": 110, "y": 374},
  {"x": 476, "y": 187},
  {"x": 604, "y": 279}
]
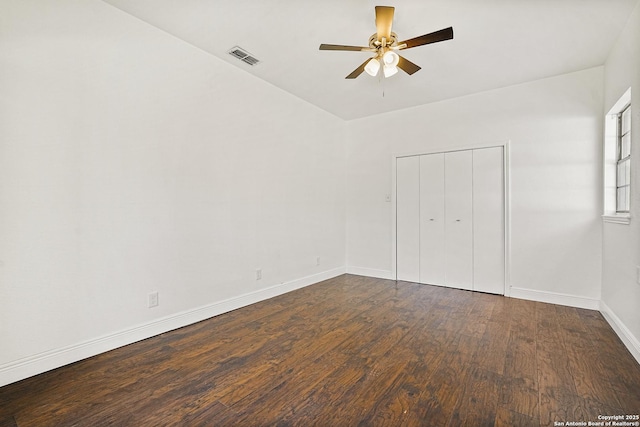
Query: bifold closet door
[
  {"x": 432, "y": 235},
  {"x": 458, "y": 244},
  {"x": 450, "y": 219},
  {"x": 408, "y": 218},
  {"x": 488, "y": 220}
]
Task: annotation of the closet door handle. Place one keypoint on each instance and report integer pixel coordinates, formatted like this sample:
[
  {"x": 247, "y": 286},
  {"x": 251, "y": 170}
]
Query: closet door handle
[
  {"x": 431, "y": 219},
  {"x": 458, "y": 220}
]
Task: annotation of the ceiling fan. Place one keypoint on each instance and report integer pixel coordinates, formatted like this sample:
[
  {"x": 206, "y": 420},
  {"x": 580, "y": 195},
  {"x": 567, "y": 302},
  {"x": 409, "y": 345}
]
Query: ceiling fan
[{"x": 384, "y": 43}]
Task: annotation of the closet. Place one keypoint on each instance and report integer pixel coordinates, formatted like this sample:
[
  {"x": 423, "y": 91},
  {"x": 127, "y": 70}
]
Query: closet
[{"x": 450, "y": 219}]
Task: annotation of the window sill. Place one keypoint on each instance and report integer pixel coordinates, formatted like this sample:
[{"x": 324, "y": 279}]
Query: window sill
[{"x": 617, "y": 218}]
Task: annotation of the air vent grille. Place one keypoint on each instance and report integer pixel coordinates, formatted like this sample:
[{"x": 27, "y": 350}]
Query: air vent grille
[{"x": 243, "y": 56}]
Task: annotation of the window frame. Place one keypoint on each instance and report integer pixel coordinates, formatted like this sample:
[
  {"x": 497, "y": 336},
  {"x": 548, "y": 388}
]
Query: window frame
[
  {"x": 622, "y": 160},
  {"x": 611, "y": 151}
]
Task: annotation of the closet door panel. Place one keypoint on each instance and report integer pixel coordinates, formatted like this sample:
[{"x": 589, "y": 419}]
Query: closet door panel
[
  {"x": 432, "y": 236},
  {"x": 459, "y": 220},
  {"x": 488, "y": 218},
  {"x": 408, "y": 219}
]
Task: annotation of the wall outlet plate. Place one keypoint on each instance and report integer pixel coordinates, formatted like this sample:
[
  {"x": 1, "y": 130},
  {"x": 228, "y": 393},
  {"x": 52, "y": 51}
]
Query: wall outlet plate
[{"x": 153, "y": 299}]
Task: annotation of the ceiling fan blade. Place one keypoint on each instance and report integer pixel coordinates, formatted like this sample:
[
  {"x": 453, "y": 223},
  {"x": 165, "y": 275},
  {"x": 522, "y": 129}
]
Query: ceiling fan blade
[
  {"x": 407, "y": 66},
  {"x": 358, "y": 70},
  {"x": 435, "y": 37},
  {"x": 384, "y": 20},
  {"x": 343, "y": 47}
]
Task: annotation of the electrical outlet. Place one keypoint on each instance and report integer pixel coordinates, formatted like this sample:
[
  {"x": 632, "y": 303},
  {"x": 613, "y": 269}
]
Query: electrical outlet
[
  {"x": 259, "y": 274},
  {"x": 317, "y": 260},
  {"x": 153, "y": 299}
]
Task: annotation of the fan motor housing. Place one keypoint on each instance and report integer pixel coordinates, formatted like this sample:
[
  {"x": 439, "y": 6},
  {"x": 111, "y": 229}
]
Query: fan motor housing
[{"x": 375, "y": 44}]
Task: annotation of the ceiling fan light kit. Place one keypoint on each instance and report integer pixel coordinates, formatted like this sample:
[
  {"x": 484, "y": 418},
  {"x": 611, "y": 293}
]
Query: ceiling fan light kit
[{"x": 384, "y": 43}]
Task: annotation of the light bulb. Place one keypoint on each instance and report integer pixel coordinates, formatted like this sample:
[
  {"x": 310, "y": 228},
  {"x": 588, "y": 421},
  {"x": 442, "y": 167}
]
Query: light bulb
[{"x": 372, "y": 67}]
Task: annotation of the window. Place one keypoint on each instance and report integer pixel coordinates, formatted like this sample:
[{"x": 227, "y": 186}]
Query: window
[
  {"x": 617, "y": 161},
  {"x": 623, "y": 160}
]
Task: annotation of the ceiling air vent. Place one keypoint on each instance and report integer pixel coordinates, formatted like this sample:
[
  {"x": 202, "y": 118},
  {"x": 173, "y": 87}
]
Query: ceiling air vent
[{"x": 243, "y": 56}]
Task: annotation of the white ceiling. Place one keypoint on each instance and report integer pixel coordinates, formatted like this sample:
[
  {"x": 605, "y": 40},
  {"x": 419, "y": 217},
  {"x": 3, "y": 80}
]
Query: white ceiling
[{"x": 497, "y": 43}]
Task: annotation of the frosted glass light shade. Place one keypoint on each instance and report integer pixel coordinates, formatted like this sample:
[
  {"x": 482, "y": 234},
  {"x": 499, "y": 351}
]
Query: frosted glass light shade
[
  {"x": 372, "y": 67},
  {"x": 390, "y": 70},
  {"x": 390, "y": 58}
]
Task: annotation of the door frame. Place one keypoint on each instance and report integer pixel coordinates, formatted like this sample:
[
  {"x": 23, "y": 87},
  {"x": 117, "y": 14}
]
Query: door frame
[{"x": 506, "y": 193}]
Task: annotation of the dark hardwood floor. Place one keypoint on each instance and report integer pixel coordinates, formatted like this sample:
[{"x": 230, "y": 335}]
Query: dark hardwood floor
[{"x": 345, "y": 352}]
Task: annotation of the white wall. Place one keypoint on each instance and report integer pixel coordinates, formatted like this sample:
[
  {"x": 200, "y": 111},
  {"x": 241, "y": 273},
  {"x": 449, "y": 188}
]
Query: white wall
[
  {"x": 132, "y": 162},
  {"x": 621, "y": 243},
  {"x": 555, "y": 129}
]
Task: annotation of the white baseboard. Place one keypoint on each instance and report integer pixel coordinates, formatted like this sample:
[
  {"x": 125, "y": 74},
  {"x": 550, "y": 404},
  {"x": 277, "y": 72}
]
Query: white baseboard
[
  {"x": 630, "y": 341},
  {"x": 370, "y": 272},
  {"x": 555, "y": 298},
  {"x": 39, "y": 363}
]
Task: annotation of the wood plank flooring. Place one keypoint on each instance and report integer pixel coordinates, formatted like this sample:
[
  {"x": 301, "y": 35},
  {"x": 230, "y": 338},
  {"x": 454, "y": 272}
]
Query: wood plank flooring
[{"x": 350, "y": 351}]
